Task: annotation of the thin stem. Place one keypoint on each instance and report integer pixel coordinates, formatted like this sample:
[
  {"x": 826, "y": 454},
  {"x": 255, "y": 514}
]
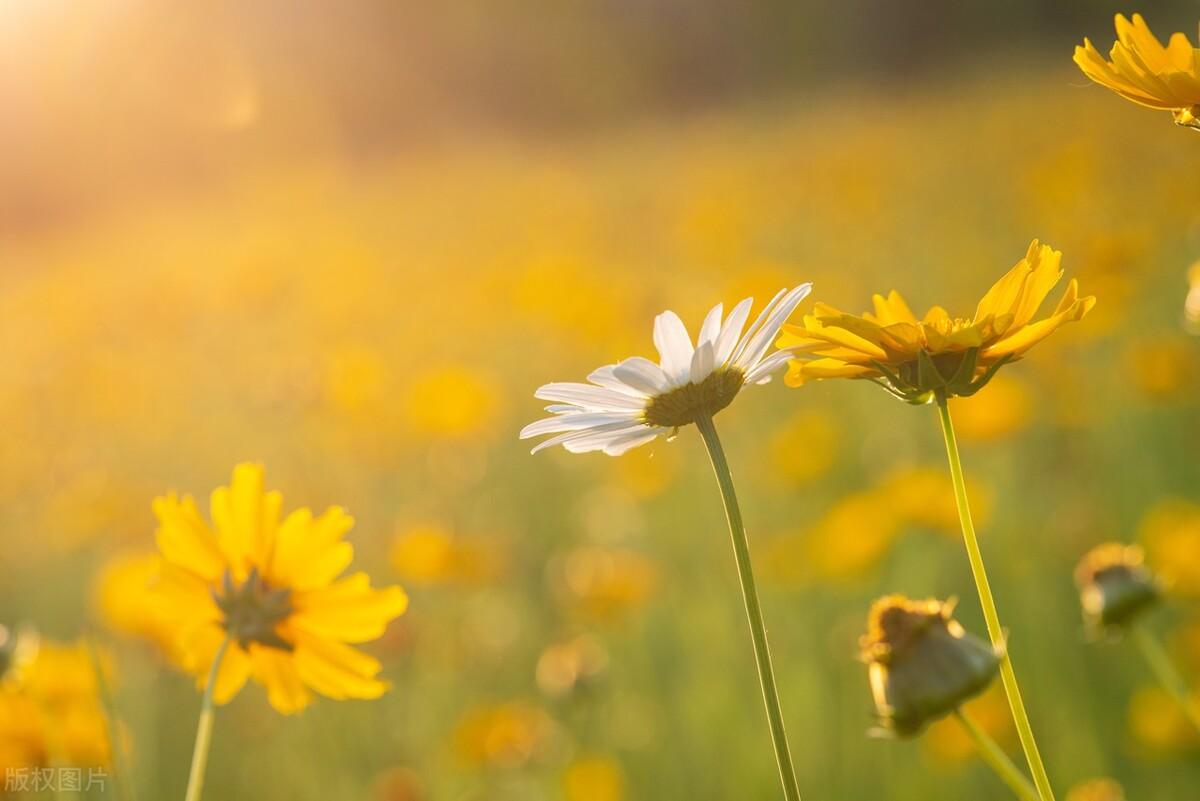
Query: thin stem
[
  {"x": 204, "y": 729},
  {"x": 996, "y": 759},
  {"x": 1007, "y": 675},
  {"x": 758, "y": 631},
  {"x": 1166, "y": 673}
]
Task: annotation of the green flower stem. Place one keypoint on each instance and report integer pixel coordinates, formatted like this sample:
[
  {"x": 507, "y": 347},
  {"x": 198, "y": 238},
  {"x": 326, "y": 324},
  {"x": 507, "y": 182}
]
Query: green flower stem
[
  {"x": 996, "y": 759},
  {"x": 204, "y": 729},
  {"x": 758, "y": 631},
  {"x": 1007, "y": 675},
  {"x": 1166, "y": 673}
]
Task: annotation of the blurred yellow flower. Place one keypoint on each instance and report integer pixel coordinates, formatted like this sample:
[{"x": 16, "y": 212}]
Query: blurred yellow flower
[
  {"x": 269, "y": 588},
  {"x": 1096, "y": 790},
  {"x": 924, "y": 496},
  {"x": 593, "y": 778},
  {"x": 452, "y": 401},
  {"x": 50, "y": 712},
  {"x": 504, "y": 736},
  {"x": 1191, "y": 305},
  {"x": 562, "y": 667},
  {"x": 1142, "y": 70},
  {"x": 398, "y": 784},
  {"x": 1157, "y": 721},
  {"x": 914, "y": 358},
  {"x": 805, "y": 446},
  {"x": 851, "y": 537},
  {"x": 646, "y": 472},
  {"x": 428, "y": 553},
  {"x": 124, "y": 599},
  {"x": 1002, "y": 408},
  {"x": 605, "y": 584},
  {"x": 1170, "y": 533},
  {"x": 1163, "y": 367}
]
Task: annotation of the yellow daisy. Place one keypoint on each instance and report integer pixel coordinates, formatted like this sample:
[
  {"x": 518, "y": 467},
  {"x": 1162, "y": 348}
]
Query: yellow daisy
[
  {"x": 1142, "y": 70},
  {"x": 269, "y": 589},
  {"x": 937, "y": 354}
]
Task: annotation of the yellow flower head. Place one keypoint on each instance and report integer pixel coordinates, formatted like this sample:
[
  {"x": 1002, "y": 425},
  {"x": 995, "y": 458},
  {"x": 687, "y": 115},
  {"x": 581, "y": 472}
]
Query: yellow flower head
[
  {"x": 916, "y": 358},
  {"x": 1142, "y": 70},
  {"x": 272, "y": 588}
]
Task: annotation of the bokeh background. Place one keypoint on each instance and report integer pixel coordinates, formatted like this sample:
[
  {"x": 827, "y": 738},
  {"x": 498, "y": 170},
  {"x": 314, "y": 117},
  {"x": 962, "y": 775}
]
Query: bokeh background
[{"x": 349, "y": 240}]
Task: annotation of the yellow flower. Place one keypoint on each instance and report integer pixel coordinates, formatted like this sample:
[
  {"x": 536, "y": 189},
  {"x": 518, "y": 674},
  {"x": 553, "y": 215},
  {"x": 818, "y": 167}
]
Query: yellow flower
[
  {"x": 1157, "y": 721},
  {"x": 50, "y": 711},
  {"x": 452, "y": 401},
  {"x": 1002, "y": 409},
  {"x": 1170, "y": 532},
  {"x": 431, "y": 554},
  {"x": 914, "y": 359},
  {"x": 593, "y": 778},
  {"x": 506, "y": 736},
  {"x": 604, "y": 584},
  {"x": 1142, "y": 70},
  {"x": 1096, "y": 790},
  {"x": 947, "y": 744},
  {"x": 123, "y": 596},
  {"x": 270, "y": 587}
]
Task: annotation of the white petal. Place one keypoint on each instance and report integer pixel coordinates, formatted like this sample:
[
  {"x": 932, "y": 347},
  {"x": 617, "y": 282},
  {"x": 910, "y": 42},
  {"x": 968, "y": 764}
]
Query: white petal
[
  {"x": 642, "y": 375},
  {"x": 589, "y": 397},
  {"x": 762, "y": 339},
  {"x": 604, "y": 432},
  {"x": 574, "y": 422},
  {"x": 604, "y": 377},
  {"x": 597, "y": 440},
  {"x": 749, "y": 334},
  {"x": 674, "y": 347},
  {"x": 702, "y": 362},
  {"x": 629, "y": 441},
  {"x": 761, "y": 373},
  {"x": 711, "y": 326},
  {"x": 731, "y": 331},
  {"x": 561, "y": 408}
]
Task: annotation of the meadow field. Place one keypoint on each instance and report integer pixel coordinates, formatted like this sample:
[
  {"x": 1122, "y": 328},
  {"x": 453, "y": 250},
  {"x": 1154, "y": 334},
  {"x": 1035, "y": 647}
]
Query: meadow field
[{"x": 371, "y": 331}]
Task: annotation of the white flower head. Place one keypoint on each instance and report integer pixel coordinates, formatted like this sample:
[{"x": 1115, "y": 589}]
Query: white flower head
[{"x": 631, "y": 403}]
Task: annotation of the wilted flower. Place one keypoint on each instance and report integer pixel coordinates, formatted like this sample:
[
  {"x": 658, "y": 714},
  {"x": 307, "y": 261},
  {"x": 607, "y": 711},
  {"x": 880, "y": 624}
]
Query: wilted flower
[
  {"x": 1114, "y": 585},
  {"x": 1170, "y": 532},
  {"x": 1142, "y": 70},
  {"x": 630, "y": 403},
  {"x": 269, "y": 588},
  {"x": 921, "y": 663},
  {"x": 914, "y": 359}
]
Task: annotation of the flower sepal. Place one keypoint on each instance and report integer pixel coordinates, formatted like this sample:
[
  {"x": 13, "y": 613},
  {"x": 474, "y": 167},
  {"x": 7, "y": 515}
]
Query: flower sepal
[{"x": 933, "y": 375}]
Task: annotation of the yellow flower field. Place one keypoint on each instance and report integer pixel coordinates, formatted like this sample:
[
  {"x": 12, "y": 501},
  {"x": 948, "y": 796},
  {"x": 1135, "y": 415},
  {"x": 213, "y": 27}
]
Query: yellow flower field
[{"x": 369, "y": 331}]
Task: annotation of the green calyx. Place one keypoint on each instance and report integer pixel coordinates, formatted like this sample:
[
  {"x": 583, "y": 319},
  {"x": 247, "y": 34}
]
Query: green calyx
[
  {"x": 931, "y": 375},
  {"x": 251, "y": 610}
]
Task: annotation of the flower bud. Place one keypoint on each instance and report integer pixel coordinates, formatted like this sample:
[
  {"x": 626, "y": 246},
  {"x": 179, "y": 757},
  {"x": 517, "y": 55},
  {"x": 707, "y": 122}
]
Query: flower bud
[
  {"x": 1114, "y": 585},
  {"x": 921, "y": 663}
]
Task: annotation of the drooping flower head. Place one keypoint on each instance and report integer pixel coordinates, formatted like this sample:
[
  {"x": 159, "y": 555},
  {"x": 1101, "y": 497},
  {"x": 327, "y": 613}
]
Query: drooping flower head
[
  {"x": 921, "y": 663},
  {"x": 915, "y": 358},
  {"x": 628, "y": 404},
  {"x": 1142, "y": 70},
  {"x": 272, "y": 587},
  {"x": 1115, "y": 586}
]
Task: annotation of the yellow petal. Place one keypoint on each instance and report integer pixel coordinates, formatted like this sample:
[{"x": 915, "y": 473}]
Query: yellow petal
[
  {"x": 1045, "y": 273},
  {"x": 246, "y": 518},
  {"x": 1003, "y": 294},
  {"x": 892, "y": 309},
  {"x": 336, "y": 670},
  {"x": 276, "y": 670},
  {"x": 1024, "y": 338},
  {"x": 310, "y": 553},
  {"x": 349, "y": 610},
  {"x": 184, "y": 540}
]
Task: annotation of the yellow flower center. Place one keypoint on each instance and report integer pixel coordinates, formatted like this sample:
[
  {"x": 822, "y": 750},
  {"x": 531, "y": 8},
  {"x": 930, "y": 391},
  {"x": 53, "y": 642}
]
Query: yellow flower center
[
  {"x": 685, "y": 404},
  {"x": 251, "y": 610},
  {"x": 949, "y": 325}
]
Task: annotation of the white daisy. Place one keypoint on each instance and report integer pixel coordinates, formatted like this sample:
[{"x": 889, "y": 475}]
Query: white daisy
[{"x": 631, "y": 403}]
